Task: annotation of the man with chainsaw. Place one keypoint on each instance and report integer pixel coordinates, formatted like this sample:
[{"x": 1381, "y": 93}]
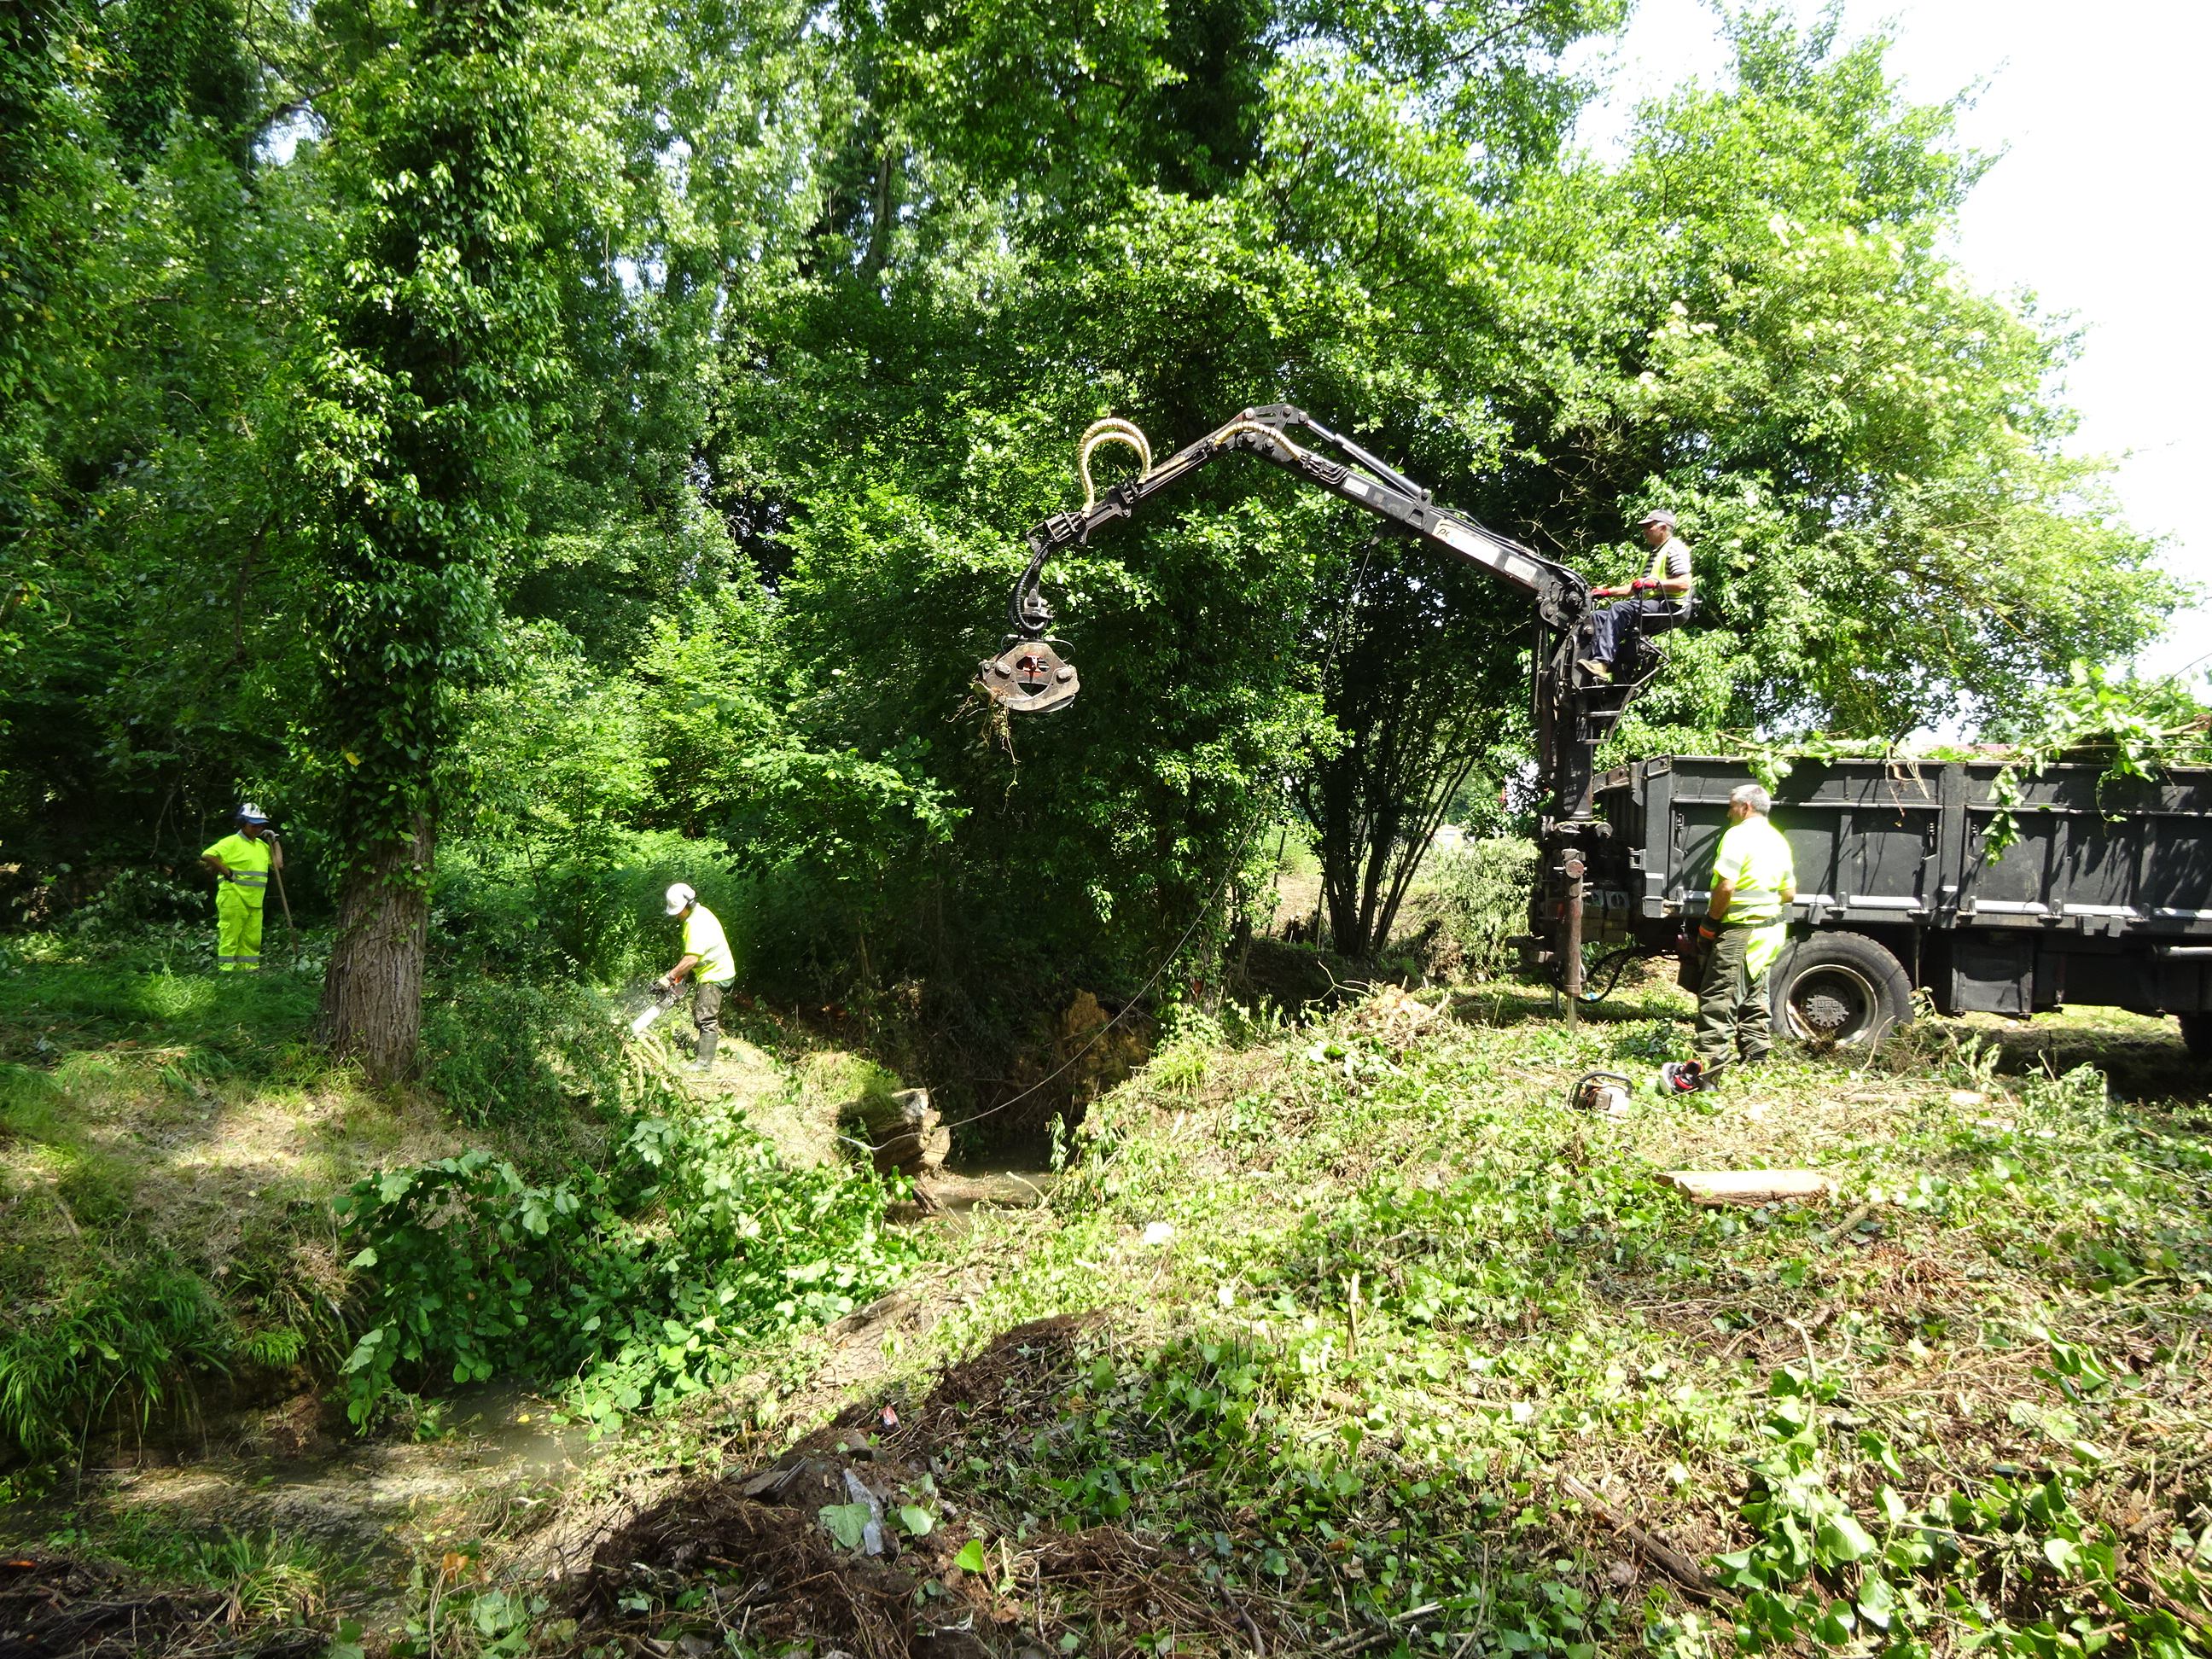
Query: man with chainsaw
[
  {"x": 242, "y": 863},
  {"x": 1747, "y": 918},
  {"x": 706, "y": 957},
  {"x": 1658, "y": 599}
]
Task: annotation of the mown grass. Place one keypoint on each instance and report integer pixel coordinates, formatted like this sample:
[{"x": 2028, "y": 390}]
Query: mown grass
[{"x": 1393, "y": 1347}]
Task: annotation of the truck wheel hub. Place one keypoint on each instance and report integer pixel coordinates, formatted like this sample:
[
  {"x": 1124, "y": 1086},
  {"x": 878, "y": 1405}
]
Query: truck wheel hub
[{"x": 1826, "y": 1011}]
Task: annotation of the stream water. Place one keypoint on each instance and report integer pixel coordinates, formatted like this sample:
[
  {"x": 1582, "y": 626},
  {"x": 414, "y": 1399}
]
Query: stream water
[{"x": 491, "y": 1447}]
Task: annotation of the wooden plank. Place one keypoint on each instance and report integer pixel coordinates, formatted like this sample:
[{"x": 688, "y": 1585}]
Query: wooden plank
[{"x": 1751, "y": 1188}]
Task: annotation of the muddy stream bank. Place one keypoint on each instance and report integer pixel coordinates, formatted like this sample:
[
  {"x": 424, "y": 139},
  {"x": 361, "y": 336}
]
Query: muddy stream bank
[{"x": 496, "y": 1459}]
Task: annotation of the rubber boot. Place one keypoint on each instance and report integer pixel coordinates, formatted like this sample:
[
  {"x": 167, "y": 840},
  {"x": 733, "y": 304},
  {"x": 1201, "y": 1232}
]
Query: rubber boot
[{"x": 706, "y": 1060}]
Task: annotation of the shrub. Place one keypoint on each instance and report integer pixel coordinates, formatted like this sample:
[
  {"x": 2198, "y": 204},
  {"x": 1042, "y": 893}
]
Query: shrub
[
  {"x": 135, "y": 899},
  {"x": 594, "y": 915},
  {"x": 644, "y": 1285},
  {"x": 1482, "y": 898}
]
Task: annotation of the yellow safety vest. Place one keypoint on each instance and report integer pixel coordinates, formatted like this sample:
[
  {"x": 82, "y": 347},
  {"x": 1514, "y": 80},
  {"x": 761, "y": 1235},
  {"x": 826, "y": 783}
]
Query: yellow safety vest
[
  {"x": 703, "y": 938},
  {"x": 248, "y": 860},
  {"x": 1655, "y": 571},
  {"x": 1755, "y": 859}
]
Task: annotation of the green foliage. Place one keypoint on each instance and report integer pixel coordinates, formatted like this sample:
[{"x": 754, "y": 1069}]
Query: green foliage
[
  {"x": 1896, "y": 1580},
  {"x": 1481, "y": 892},
  {"x": 547, "y": 447},
  {"x": 506, "y": 1051},
  {"x": 530, "y": 911},
  {"x": 434, "y": 331},
  {"x": 115, "y": 1346},
  {"x": 265, "y": 1577},
  {"x": 2136, "y": 728},
  {"x": 637, "y": 1288}
]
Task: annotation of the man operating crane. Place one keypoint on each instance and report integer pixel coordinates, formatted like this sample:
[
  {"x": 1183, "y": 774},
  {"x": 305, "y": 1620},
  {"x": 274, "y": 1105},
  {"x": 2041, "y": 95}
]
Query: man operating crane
[
  {"x": 706, "y": 951},
  {"x": 1659, "y": 598}
]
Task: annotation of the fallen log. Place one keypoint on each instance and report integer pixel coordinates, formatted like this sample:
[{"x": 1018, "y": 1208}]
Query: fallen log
[
  {"x": 1751, "y": 1187},
  {"x": 1676, "y": 1565},
  {"x": 901, "y": 1129}
]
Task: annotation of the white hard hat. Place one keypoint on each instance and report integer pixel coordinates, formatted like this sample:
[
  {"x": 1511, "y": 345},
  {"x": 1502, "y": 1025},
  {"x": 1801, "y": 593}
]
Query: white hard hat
[
  {"x": 679, "y": 896},
  {"x": 250, "y": 814}
]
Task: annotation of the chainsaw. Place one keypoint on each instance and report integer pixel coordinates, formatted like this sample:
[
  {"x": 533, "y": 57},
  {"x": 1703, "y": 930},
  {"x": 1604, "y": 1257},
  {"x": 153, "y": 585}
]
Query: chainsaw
[{"x": 663, "y": 1000}]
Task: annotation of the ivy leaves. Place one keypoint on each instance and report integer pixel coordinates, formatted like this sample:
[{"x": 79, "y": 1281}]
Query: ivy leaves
[{"x": 1818, "y": 1572}]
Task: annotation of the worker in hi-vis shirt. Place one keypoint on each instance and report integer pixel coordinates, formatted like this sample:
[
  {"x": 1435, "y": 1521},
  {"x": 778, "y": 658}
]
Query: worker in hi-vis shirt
[
  {"x": 707, "y": 958},
  {"x": 1746, "y": 920},
  {"x": 242, "y": 863}
]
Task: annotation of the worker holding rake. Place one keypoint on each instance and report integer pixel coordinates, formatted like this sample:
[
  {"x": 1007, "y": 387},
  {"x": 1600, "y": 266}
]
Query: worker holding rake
[{"x": 243, "y": 863}]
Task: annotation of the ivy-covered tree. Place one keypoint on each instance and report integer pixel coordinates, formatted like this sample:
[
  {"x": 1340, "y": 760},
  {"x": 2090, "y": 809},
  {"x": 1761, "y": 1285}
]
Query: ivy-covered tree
[{"x": 438, "y": 337}]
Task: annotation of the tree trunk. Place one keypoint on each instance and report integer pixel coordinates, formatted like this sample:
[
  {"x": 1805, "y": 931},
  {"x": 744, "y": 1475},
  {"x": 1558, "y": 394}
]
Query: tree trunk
[{"x": 372, "y": 1007}]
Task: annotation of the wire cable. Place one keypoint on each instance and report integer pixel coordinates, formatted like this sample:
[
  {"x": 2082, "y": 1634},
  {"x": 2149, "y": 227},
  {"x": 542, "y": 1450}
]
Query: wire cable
[
  {"x": 1166, "y": 962},
  {"x": 1620, "y": 961}
]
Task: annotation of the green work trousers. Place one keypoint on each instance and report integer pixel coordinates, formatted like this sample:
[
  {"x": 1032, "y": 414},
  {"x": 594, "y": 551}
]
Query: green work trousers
[
  {"x": 707, "y": 1015},
  {"x": 1732, "y": 1011}
]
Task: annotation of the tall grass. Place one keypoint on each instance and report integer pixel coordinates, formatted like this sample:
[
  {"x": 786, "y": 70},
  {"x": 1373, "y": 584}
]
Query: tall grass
[{"x": 111, "y": 1349}]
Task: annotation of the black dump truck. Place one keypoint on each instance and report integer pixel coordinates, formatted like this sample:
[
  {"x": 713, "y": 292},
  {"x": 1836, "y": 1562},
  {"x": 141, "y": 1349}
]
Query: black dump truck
[{"x": 2106, "y": 897}]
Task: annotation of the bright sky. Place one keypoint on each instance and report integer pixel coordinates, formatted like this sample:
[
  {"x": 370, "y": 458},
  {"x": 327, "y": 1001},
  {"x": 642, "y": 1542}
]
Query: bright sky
[{"x": 2097, "y": 207}]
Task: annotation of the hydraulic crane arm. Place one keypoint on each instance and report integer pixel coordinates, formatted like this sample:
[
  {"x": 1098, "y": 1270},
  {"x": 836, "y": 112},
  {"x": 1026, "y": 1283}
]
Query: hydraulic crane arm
[
  {"x": 1574, "y": 710},
  {"x": 1562, "y": 597}
]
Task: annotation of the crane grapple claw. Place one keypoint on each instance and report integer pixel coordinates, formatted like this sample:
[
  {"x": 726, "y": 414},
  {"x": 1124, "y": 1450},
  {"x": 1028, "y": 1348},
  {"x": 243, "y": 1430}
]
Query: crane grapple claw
[{"x": 1029, "y": 676}]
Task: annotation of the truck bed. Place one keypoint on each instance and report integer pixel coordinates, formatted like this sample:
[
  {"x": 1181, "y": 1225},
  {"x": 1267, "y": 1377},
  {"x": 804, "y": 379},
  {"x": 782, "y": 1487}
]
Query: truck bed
[{"x": 2105, "y": 898}]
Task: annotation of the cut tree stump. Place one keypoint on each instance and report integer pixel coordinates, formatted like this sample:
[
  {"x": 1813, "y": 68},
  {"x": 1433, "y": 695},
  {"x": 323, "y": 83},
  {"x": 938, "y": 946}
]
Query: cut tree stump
[
  {"x": 901, "y": 1128},
  {"x": 1751, "y": 1188}
]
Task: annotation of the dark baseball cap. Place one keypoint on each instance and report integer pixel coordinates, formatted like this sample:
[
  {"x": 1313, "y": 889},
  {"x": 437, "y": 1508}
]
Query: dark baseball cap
[{"x": 1657, "y": 515}]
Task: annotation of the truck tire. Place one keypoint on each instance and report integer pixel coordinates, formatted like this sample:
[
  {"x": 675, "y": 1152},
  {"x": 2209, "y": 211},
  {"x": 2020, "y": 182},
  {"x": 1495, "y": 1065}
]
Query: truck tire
[
  {"x": 2196, "y": 1034},
  {"x": 1839, "y": 988}
]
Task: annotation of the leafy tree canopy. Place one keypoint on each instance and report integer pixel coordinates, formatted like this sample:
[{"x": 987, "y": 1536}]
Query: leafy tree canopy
[{"x": 561, "y": 428}]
